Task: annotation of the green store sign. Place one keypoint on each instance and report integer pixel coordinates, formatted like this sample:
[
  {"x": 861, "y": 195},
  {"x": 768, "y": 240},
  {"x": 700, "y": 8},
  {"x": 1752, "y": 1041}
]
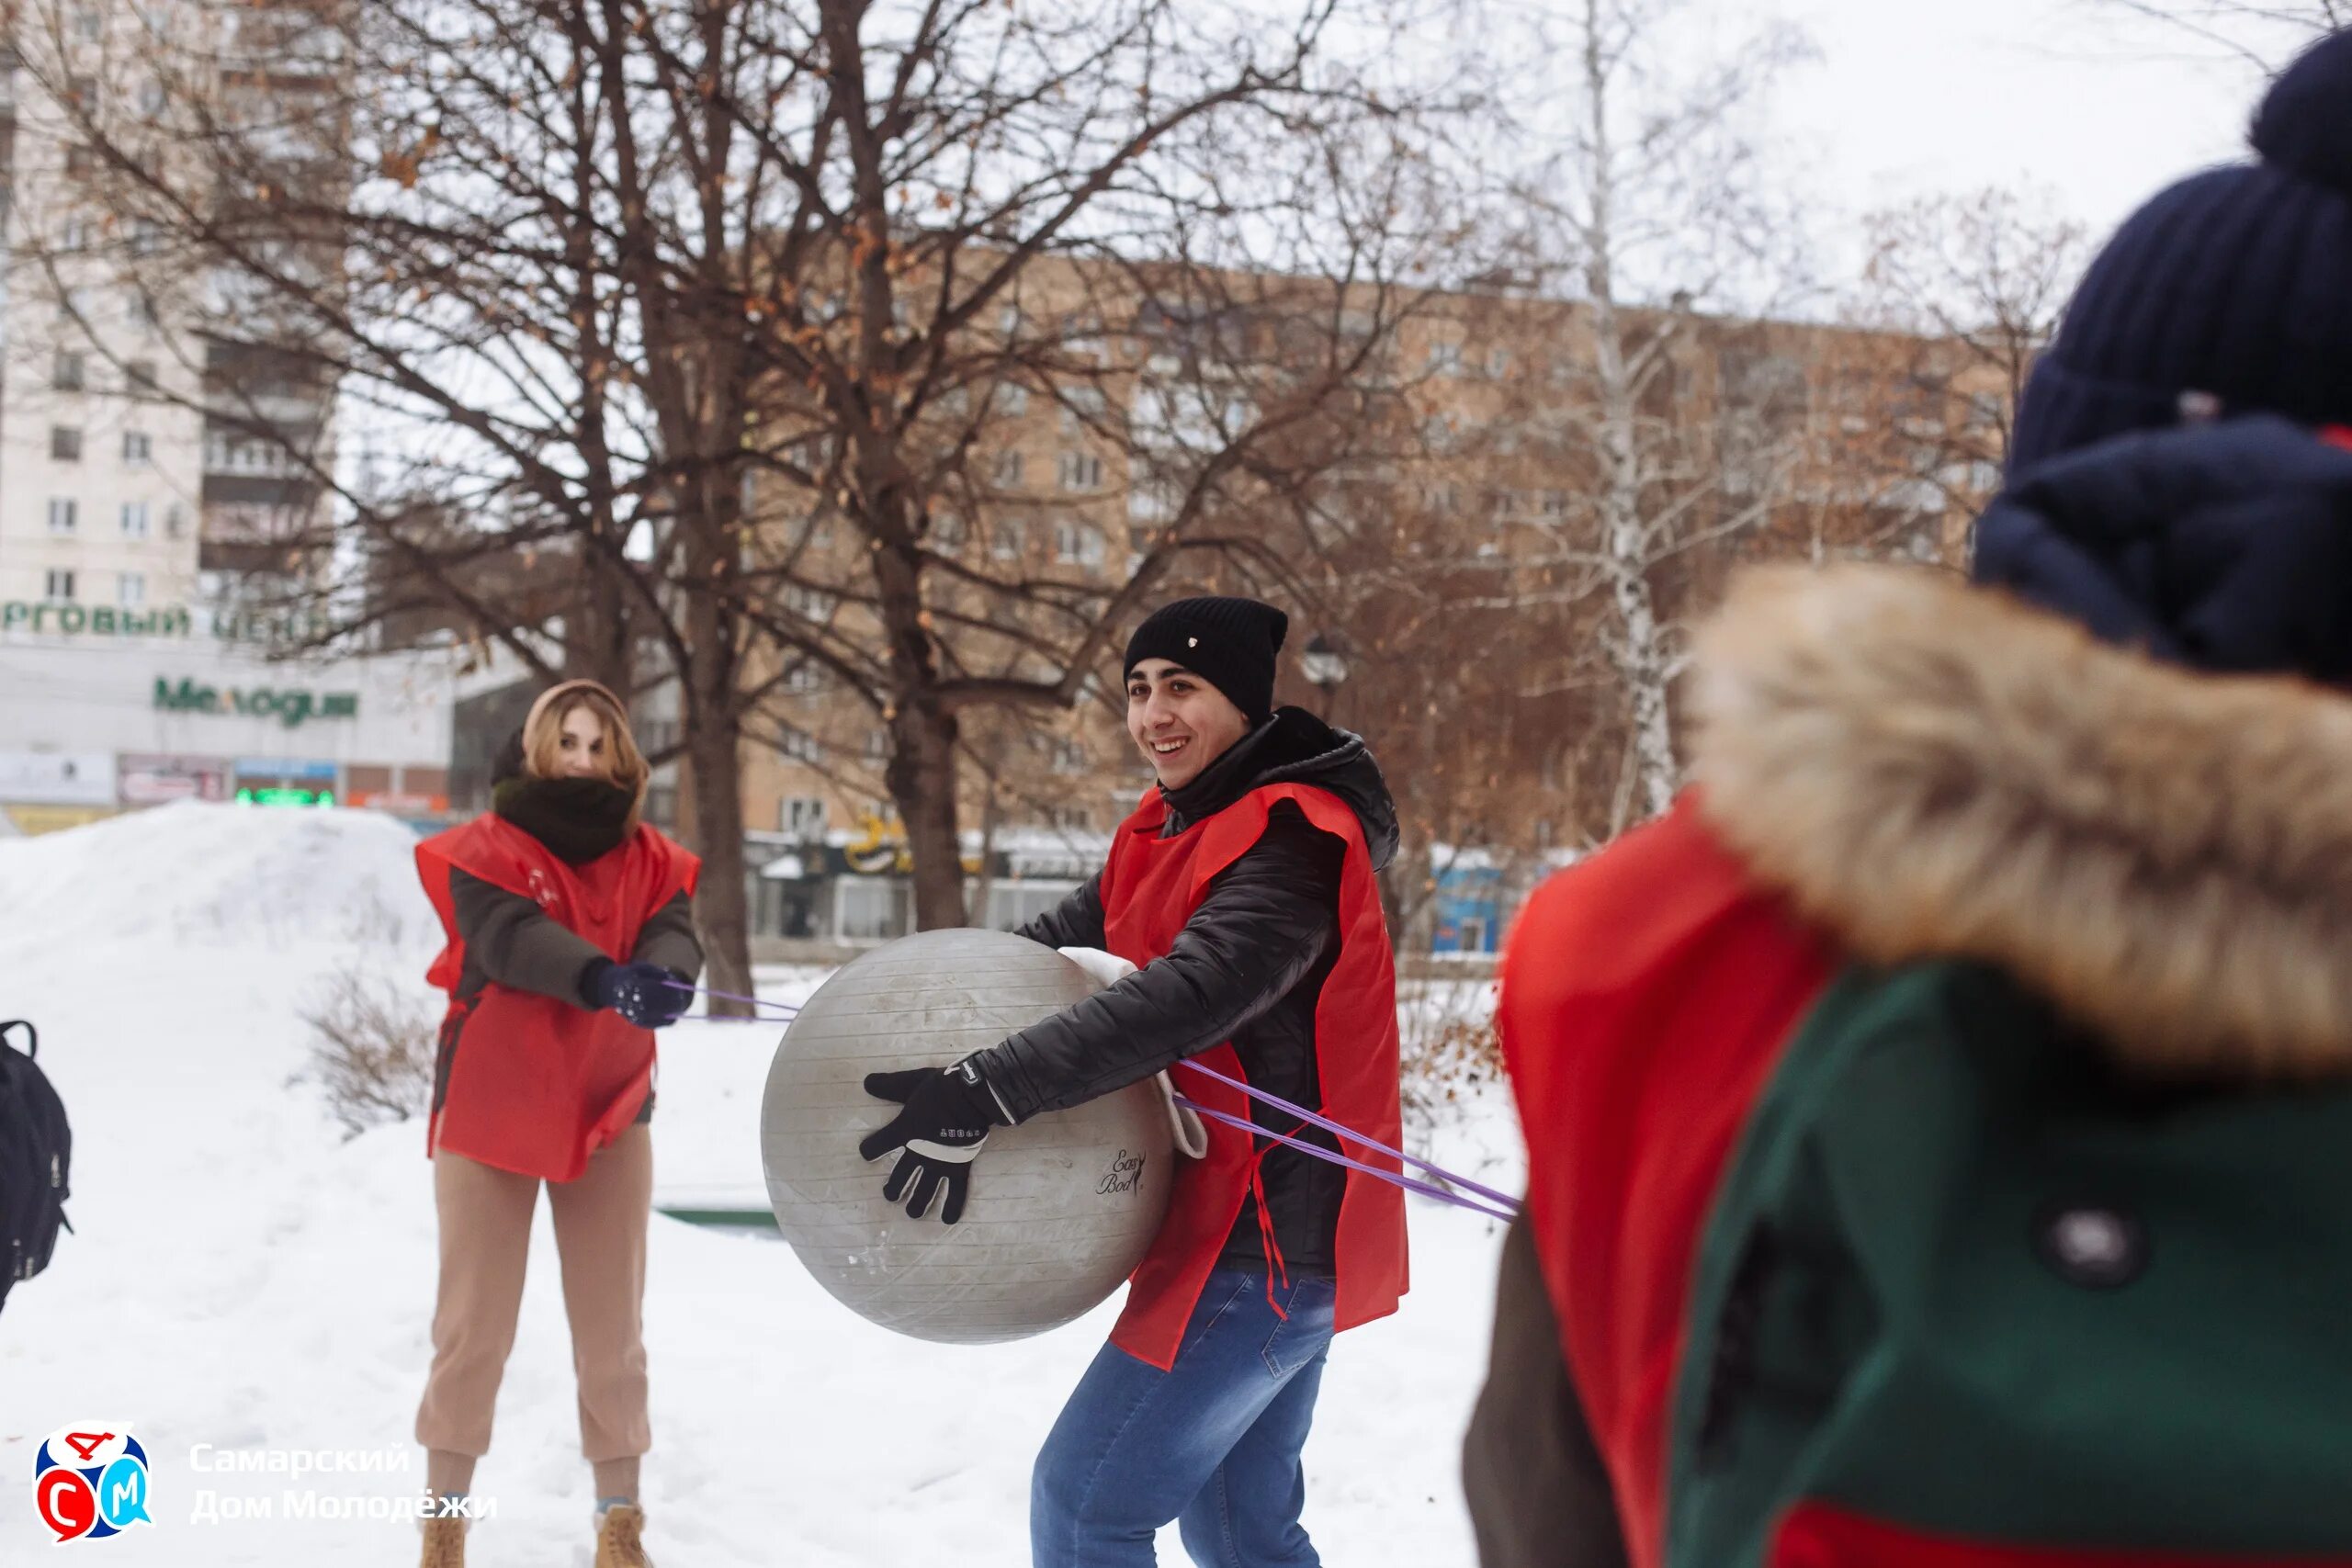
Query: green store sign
[{"x": 291, "y": 708}]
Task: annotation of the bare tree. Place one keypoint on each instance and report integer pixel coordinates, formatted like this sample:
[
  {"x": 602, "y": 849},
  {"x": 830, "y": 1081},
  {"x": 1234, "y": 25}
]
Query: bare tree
[
  {"x": 1972, "y": 288},
  {"x": 2264, "y": 33},
  {"x": 1658, "y": 203},
  {"x": 727, "y": 305}
]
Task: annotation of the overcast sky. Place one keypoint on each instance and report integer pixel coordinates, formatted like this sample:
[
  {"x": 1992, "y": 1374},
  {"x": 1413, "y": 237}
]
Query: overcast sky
[{"x": 1917, "y": 96}]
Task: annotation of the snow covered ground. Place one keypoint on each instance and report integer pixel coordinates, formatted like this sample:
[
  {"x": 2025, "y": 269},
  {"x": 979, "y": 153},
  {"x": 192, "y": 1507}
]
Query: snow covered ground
[{"x": 244, "y": 1281}]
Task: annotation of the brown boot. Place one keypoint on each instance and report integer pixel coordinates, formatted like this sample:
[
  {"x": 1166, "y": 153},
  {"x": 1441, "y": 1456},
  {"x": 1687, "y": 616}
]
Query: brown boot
[
  {"x": 445, "y": 1543},
  {"x": 619, "y": 1529}
]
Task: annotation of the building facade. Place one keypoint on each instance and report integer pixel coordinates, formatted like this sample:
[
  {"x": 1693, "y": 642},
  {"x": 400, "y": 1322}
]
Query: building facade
[{"x": 96, "y": 717}]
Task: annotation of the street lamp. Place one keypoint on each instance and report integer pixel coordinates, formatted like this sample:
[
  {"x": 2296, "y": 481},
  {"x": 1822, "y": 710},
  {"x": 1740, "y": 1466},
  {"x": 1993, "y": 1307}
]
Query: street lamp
[{"x": 1325, "y": 667}]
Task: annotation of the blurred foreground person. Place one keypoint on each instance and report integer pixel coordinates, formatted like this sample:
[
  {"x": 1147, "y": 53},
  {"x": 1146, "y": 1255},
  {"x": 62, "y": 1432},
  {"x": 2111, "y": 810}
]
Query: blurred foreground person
[{"x": 1937, "y": 1121}]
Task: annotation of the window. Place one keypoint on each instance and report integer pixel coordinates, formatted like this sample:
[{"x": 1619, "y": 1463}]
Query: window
[
  {"x": 175, "y": 521},
  {"x": 803, "y": 678},
  {"x": 1005, "y": 538},
  {"x": 73, "y": 234},
  {"x": 1154, "y": 501},
  {"x": 74, "y": 303},
  {"x": 810, "y": 604},
  {"x": 61, "y": 584},
  {"x": 64, "y": 443},
  {"x": 138, "y": 448},
  {"x": 1083, "y": 408},
  {"x": 64, "y": 514},
  {"x": 82, "y": 93},
  {"x": 143, "y": 309},
  {"x": 146, "y": 237},
  {"x": 1068, "y": 756},
  {"x": 71, "y": 373},
  {"x": 1081, "y": 471},
  {"x": 877, "y": 745},
  {"x": 1008, "y": 469},
  {"x": 1445, "y": 358},
  {"x": 869, "y": 910},
  {"x": 1082, "y": 335},
  {"x": 799, "y": 746},
  {"x": 1497, "y": 364},
  {"x": 1077, "y": 544},
  {"x": 139, "y": 376},
  {"x": 80, "y": 161},
  {"x": 85, "y": 23},
  {"x": 1071, "y": 819},
  {"x": 131, "y": 589},
  {"x": 1008, "y": 320},
  {"x": 947, "y": 533},
  {"x": 150, "y": 98},
  {"x": 134, "y": 519},
  {"x": 803, "y": 815},
  {"x": 1012, "y": 399}
]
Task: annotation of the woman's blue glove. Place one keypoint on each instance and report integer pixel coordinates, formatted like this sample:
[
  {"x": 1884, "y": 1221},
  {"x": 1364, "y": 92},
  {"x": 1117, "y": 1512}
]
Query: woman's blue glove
[{"x": 645, "y": 994}]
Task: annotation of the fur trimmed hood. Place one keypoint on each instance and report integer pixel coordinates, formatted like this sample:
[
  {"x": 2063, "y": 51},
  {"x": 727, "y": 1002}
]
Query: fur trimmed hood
[{"x": 1930, "y": 770}]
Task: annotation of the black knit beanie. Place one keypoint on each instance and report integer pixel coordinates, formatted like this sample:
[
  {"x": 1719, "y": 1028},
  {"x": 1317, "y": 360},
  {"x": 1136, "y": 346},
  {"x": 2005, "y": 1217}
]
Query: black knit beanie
[
  {"x": 1229, "y": 643},
  {"x": 2231, "y": 290}
]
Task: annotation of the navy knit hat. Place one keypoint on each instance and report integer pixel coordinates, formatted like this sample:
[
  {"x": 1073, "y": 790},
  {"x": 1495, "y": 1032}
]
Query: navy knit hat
[
  {"x": 2233, "y": 289},
  {"x": 1229, "y": 643}
]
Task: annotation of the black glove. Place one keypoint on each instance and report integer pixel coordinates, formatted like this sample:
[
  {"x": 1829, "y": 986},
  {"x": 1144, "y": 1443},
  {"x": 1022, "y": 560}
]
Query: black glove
[
  {"x": 645, "y": 994},
  {"x": 947, "y": 1114}
]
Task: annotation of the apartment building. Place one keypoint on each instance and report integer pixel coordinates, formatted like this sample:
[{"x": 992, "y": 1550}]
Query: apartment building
[
  {"x": 159, "y": 486},
  {"x": 1469, "y": 492}
]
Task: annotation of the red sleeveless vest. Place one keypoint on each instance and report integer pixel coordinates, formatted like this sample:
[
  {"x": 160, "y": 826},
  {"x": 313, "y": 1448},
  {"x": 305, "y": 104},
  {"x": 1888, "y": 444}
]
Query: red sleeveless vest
[
  {"x": 1150, "y": 887},
  {"x": 542, "y": 1085}
]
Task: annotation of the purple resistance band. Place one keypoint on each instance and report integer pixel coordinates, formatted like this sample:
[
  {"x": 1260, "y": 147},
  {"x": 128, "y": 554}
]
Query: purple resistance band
[
  {"x": 785, "y": 1009},
  {"x": 1504, "y": 1200},
  {"x": 1505, "y": 1207},
  {"x": 1426, "y": 1189}
]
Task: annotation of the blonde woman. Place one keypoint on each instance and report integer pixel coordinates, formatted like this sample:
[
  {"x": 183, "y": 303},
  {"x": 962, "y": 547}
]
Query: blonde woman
[{"x": 569, "y": 940}]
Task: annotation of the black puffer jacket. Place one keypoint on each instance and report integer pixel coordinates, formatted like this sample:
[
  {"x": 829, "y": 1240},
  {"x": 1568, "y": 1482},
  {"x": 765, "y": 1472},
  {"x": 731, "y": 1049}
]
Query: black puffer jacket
[{"x": 1248, "y": 967}]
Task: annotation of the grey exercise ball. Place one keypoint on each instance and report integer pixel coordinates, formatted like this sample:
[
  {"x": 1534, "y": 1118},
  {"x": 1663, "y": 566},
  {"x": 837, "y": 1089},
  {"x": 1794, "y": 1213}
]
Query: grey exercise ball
[{"x": 1063, "y": 1206}]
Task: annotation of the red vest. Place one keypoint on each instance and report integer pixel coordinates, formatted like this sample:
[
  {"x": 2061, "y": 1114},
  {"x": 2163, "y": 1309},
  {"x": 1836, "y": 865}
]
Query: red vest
[
  {"x": 540, "y": 1084},
  {"x": 1150, "y": 887},
  {"x": 1647, "y": 996}
]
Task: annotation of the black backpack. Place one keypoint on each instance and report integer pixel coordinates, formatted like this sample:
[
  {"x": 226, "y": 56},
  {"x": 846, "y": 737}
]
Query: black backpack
[{"x": 36, "y": 1154}]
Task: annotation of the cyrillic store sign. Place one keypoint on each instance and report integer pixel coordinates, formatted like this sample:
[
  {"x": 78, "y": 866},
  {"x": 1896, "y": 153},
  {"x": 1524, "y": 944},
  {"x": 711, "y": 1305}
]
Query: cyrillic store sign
[
  {"x": 164, "y": 620},
  {"x": 291, "y": 708}
]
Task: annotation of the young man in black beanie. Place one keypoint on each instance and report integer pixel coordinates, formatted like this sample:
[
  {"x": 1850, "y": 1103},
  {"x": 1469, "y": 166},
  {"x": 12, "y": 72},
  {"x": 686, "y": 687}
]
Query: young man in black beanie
[
  {"x": 1243, "y": 891},
  {"x": 1935, "y": 1122}
]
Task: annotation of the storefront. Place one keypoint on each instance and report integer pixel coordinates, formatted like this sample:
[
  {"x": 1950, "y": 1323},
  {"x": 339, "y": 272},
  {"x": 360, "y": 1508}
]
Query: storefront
[
  {"x": 858, "y": 889},
  {"x": 1469, "y": 906},
  {"x": 102, "y": 715}
]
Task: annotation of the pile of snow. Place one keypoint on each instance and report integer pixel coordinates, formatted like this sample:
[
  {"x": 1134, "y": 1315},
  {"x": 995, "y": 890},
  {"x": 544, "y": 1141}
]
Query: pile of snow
[
  {"x": 214, "y": 875},
  {"x": 246, "y": 1281}
]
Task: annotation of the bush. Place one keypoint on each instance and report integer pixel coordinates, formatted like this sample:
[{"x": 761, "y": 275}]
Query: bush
[
  {"x": 1450, "y": 1049},
  {"x": 371, "y": 1049}
]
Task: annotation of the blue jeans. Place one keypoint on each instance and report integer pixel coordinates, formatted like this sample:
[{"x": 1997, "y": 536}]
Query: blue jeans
[{"x": 1212, "y": 1444}]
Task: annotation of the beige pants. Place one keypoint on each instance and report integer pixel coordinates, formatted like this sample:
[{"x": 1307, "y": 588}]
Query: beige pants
[{"x": 600, "y": 1226}]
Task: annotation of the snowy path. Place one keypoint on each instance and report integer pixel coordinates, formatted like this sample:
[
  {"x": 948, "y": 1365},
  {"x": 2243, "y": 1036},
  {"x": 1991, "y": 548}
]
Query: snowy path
[{"x": 244, "y": 1279}]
